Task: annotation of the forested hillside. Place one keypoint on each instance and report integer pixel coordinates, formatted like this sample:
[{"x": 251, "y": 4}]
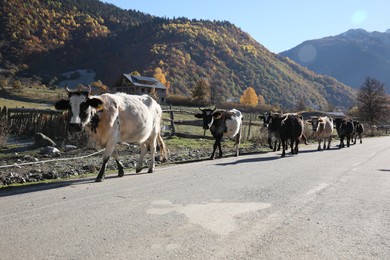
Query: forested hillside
[
  {"x": 43, "y": 39},
  {"x": 349, "y": 57}
]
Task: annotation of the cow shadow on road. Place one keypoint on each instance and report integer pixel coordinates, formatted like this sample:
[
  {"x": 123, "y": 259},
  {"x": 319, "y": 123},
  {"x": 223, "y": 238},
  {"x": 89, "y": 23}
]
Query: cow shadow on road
[
  {"x": 250, "y": 160},
  {"x": 36, "y": 187}
]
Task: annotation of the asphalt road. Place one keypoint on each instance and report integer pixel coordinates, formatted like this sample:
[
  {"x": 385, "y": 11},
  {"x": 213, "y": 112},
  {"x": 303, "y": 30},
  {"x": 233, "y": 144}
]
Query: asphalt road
[{"x": 331, "y": 204}]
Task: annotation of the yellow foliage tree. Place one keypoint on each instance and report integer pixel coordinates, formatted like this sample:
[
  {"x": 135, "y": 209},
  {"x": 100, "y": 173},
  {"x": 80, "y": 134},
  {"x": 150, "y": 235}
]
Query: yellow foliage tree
[
  {"x": 249, "y": 97},
  {"x": 159, "y": 75}
]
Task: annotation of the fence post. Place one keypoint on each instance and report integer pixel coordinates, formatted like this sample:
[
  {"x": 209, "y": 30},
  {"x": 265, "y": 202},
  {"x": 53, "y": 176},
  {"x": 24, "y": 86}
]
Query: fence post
[
  {"x": 249, "y": 127},
  {"x": 173, "y": 131}
]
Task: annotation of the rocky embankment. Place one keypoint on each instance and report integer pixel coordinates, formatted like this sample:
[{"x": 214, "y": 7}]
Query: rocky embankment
[{"x": 27, "y": 161}]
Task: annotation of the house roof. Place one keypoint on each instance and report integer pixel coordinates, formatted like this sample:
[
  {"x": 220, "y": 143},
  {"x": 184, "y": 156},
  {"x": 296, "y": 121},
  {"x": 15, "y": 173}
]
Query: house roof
[{"x": 147, "y": 82}]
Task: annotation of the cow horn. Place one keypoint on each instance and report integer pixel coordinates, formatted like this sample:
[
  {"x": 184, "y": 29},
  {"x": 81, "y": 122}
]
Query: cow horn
[
  {"x": 66, "y": 87},
  {"x": 89, "y": 89},
  {"x": 215, "y": 107},
  {"x": 200, "y": 109}
]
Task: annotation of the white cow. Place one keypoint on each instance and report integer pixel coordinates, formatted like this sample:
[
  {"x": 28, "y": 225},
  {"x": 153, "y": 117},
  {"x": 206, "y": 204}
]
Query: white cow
[
  {"x": 323, "y": 129},
  {"x": 113, "y": 118}
]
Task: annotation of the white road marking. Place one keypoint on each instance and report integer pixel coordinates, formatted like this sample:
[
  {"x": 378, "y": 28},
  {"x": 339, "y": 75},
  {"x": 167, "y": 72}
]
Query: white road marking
[
  {"x": 317, "y": 189},
  {"x": 217, "y": 217}
]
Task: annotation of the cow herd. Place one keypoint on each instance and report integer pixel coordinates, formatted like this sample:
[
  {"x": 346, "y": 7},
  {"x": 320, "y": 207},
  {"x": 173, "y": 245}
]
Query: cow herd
[
  {"x": 283, "y": 127},
  {"x": 113, "y": 118}
]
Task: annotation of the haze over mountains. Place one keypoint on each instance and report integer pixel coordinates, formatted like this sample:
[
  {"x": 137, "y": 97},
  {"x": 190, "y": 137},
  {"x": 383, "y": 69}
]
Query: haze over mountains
[
  {"x": 349, "y": 57},
  {"x": 45, "y": 39}
]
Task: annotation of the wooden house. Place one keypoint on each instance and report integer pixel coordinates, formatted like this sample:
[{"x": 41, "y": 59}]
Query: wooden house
[{"x": 139, "y": 85}]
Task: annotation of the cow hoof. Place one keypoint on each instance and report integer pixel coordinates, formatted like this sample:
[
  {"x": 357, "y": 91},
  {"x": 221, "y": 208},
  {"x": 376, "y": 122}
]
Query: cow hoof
[
  {"x": 99, "y": 179},
  {"x": 150, "y": 170},
  {"x": 137, "y": 170},
  {"x": 121, "y": 174}
]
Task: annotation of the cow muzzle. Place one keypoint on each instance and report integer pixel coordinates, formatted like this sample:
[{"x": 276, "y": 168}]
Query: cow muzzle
[{"x": 75, "y": 127}]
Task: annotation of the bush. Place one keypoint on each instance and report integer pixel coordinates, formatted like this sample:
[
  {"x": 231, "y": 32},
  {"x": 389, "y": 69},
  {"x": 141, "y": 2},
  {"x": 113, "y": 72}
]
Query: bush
[{"x": 4, "y": 131}]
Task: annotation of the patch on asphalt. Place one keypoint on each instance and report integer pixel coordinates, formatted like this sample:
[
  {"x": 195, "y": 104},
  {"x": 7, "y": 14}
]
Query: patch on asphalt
[{"x": 218, "y": 217}]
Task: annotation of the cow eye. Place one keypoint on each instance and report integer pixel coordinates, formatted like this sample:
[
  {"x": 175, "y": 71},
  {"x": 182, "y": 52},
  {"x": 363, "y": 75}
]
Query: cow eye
[{"x": 83, "y": 106}]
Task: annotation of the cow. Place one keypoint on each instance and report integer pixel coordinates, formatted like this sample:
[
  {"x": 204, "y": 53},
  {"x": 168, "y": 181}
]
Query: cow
[
  {"x": 290, "y": 127},
  {"x": 222, "y": 124},
  {"x": 273, "y": 137},
  {"x": 359, "y": 129},
  {"x": 345, "y": 129},
  {"x": 323, "y": 129},
  {"x": 113, "y": 118}
]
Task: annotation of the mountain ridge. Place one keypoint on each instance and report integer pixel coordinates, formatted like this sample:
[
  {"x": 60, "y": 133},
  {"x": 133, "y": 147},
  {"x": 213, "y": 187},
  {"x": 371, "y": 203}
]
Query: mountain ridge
[
  {"x": 62, "y": 36},
  {"x": 349, "y": 57}
]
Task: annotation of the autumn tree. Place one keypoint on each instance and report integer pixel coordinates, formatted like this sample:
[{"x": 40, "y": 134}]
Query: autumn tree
[
  {"x": 160, "y": 76},
  {"x": 372, "y": 101},
  {"x": 135, "y": 73},
  {"x": 249, "y": 97},
  {"x": 201, "y": 91}
]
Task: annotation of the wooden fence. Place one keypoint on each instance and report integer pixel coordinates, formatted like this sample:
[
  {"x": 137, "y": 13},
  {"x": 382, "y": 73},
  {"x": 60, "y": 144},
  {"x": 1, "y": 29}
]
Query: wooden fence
[{"x": 27, "y": 122}]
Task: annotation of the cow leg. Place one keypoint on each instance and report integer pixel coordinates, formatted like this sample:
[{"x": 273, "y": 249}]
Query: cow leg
[
  {"x": 341, "y": 142},
  {"x": 348, "y": 140},
  {"x": 237, "y": 144},
  {"x": 292, "y": 146},
  {"x": 329, "y": 141},
  {"x": 214, "y": 148},
  {"x": 110, "y": 148},
  {"x": 279, "y": 144},
  {"x": 144, "y": 149},
  {"x": 270, "y": 142},
  {"x": 119, "y": 164},
  {"x": 360, "y": 139},
  {"x": 319, "y": 145},
  {"x": 284, "y": 147},
  {"x": 296, "y": 146},
  {"x": 153, "y": 144},
  {"x": 220, "y": 148},
  {"x": 102, "y": 171}
]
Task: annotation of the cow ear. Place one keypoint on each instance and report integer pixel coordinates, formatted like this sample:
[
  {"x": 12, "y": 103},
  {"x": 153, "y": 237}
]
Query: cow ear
[
  {"x": 217, "y": 115},
  {"x": 62, "y": 105},
  {"x": 199, "y": 115},
  {"x": 95, "y": 103}
]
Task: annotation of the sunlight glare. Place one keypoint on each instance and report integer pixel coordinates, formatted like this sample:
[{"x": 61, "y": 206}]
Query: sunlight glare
[
  {"x": 358, "y": 17},
  {"x": 307, "y": 53}
]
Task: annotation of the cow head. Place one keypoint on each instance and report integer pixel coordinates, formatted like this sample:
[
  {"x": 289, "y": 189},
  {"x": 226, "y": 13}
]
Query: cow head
[
  {"x": 79, "y": 105},
  {"x": 339, "y": 122},
  {"x": 267, "y": 117},
  {"x": 207, "y": 116},
  {"x": 314, "y": 122}
]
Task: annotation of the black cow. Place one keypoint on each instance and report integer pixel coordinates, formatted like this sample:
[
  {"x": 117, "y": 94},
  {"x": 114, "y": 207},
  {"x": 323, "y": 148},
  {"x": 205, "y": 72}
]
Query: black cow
[
  {"x": 273, "y": 137},
  {"x": 345, "y": 129},
  {"x": 290, "y": 127},
  {"x": 359, "y": 129},
  {"x": 222, "y": 124}
]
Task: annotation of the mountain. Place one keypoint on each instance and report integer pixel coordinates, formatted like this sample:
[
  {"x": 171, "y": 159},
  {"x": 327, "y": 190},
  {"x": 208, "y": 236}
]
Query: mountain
[
  {"x": 45, "y": 39},
  {"x": 349, "y": 57}
]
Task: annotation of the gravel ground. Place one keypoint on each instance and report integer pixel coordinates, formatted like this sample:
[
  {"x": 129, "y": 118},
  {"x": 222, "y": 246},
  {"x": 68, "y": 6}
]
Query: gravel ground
[{"x": 26, "y": 167}]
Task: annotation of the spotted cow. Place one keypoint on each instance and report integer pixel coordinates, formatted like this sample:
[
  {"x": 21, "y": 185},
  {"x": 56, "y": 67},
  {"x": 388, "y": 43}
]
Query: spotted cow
[{"x": 113, "y": 118}]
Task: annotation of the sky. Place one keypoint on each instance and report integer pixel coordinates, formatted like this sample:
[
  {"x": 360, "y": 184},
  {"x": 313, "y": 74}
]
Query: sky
[{"x": 279, "y": 25}]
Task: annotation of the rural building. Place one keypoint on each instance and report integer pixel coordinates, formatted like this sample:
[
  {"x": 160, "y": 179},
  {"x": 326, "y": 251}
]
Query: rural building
[{"x": 138, "y": 85}]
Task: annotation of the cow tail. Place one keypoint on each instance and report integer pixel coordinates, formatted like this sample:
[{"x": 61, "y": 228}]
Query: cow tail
[{"x": 164, "y": 153}]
